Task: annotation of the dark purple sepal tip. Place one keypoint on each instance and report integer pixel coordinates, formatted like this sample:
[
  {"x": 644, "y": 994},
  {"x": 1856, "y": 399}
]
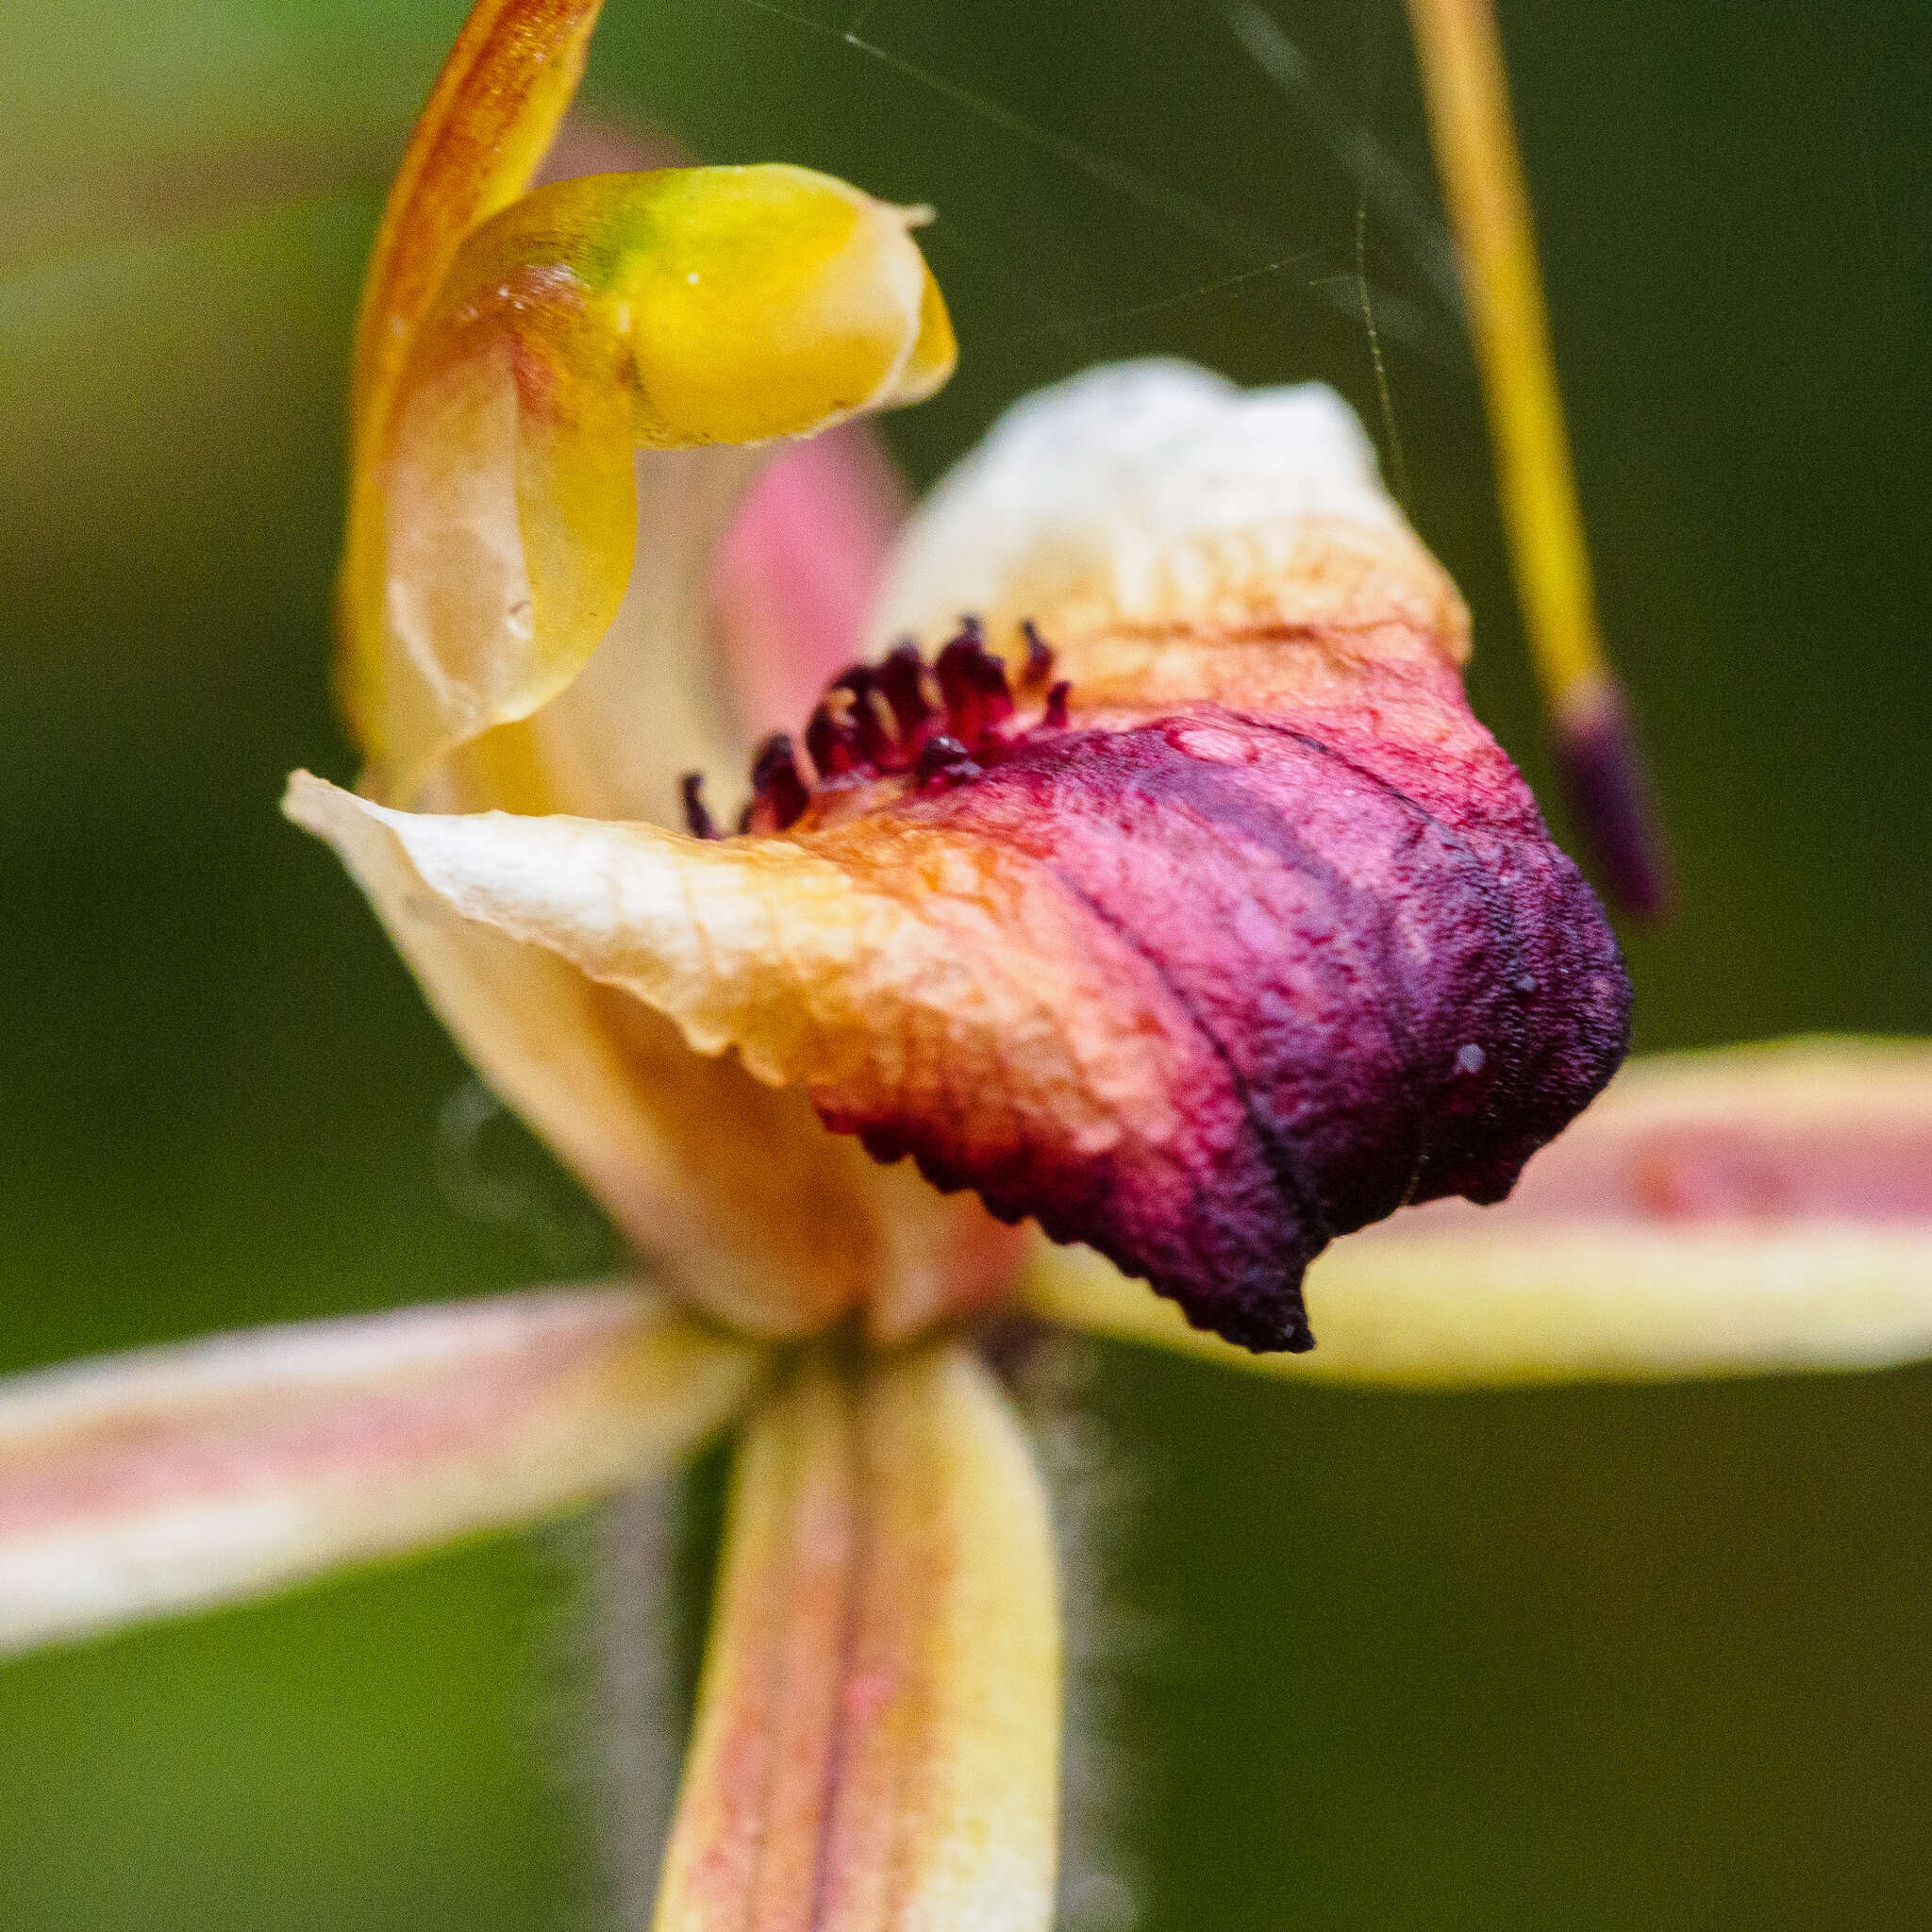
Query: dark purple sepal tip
[{"x": 1607, "y": 779}]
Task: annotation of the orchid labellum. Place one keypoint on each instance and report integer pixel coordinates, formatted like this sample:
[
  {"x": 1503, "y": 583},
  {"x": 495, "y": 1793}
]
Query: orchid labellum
[{"x": 1134, "y": 910}]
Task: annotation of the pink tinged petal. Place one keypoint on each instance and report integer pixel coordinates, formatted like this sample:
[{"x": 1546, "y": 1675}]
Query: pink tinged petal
[
  {"x": 1749, "y": 1210},
  {"x": 1798, "y": 1131},
  {"x": 179, "y": 1477},
  {"x": 591, "y": 145},
  {"x": 798, "y": 570},
  {"x": 877, "y": 1738}
]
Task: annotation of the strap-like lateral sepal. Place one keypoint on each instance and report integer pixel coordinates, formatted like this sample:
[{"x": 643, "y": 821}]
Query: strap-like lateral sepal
[{"x": 183, "y": 1477}]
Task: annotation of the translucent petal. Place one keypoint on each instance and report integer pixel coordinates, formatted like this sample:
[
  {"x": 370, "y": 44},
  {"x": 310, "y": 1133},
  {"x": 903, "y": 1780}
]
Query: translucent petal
[
  {"x": 495, "y": 109},
  {"x": 877, "y": 1737},
  {"x": 1762, "y": 1208},
  {"x": 495, "y": 515},
  {"x": 163, "y": 1481}
]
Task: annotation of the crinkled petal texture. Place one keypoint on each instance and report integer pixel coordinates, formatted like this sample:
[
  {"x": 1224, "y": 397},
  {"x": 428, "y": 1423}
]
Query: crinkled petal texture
[
  {"x": 877, "y": 1738},
  {"x": 728, "y": 1186},
  {"x": 1257, "y": 939},
  {"x": 181, "y": 1476},
  {"x": 1746, "y": 1211}
]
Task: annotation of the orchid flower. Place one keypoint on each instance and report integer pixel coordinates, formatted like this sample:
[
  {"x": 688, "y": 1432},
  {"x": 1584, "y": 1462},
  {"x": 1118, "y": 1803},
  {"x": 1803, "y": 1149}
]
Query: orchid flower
[{"x": 1138, "y": 911}]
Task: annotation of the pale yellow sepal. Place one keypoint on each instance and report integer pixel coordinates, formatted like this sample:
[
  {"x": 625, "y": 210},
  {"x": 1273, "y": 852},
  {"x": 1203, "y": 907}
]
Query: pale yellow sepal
[
  {"x": 164, "y": 1481},
  {"x": 1742, "y": 1211},
  {"x": 1555, "y": 1304},
  {"x": 878, "y": 1734}
]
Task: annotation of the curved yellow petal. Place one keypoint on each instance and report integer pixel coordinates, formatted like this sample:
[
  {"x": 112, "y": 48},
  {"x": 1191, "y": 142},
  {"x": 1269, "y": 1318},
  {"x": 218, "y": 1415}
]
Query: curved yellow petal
[
  {"x": 878, "y": 1725},
  {"x": 1749, "y": 1210},
  {"x": 495, "y": 109},
  {"x": 153, "y": 1483},
  {"x": 492, "y": 537},
  {"x": 741, "y": 1199}
]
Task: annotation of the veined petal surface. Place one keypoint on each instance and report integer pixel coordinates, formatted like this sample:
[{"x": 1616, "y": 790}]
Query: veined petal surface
[
  {"x": 878, "y": 1719},
  {"x": 1746, "y": 1211},
  {"x": 1255, "y": 939},
  {"x": 182, "y": 1476}
]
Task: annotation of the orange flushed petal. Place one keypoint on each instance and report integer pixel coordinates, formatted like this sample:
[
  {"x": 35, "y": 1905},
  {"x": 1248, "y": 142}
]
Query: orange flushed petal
[
  {"x": 153, "y": 1483},
  {"x": 731, "y": 1189},
  {"x": 1749, "y": 1210},
  {"x": 877, "y": 1738}
]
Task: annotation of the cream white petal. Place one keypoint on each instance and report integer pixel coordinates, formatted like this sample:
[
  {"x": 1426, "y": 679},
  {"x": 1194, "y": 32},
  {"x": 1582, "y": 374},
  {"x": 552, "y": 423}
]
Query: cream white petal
[
  {"x": 561, "y": 951},
  {"x": 1148, "y": 496}
]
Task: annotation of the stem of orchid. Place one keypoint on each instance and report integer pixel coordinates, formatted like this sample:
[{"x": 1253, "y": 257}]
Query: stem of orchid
[{"x": 1601, "y": 757}]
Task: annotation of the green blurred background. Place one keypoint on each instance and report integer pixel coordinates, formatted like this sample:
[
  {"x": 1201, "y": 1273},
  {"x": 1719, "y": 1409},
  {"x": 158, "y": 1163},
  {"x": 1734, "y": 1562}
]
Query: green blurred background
[{"x": 1606, "y": 1659}]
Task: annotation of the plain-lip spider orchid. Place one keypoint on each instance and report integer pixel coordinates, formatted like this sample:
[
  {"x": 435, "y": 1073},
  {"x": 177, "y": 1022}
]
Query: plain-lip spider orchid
[{"x": 1145, "y": 879}]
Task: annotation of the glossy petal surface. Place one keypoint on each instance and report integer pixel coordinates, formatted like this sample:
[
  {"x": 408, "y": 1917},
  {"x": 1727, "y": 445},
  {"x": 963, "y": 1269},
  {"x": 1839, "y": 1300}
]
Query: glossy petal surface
[
  {"x": 492, "y": 112},
  {"x": 1755, "y": 1210},
  {"x": 183, "y": 1477},
  {"x": 877, "y": 1737}
]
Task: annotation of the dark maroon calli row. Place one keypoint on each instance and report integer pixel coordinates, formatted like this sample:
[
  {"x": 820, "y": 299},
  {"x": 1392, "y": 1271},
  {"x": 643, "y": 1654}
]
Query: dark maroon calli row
[{"x": 939, "y": 725}]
